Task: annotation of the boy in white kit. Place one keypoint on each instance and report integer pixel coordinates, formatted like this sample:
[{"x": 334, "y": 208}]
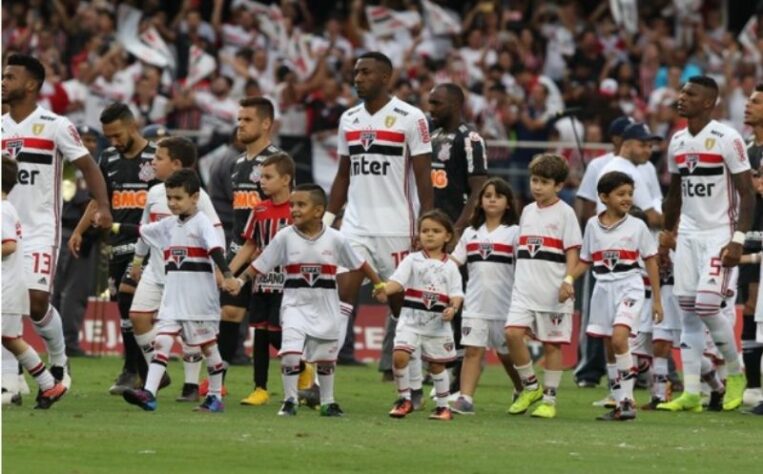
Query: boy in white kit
[
  {"x": 16, "y": 297},
  {"x": 547, "y": 250},
  {"x": 614, "y": 245},
  {"x": 310, "y": 253},
  {"x": 190, "y": 304}
]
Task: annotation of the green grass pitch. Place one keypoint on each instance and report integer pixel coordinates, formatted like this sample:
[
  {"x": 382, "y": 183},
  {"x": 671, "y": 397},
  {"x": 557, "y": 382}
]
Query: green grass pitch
[{"x": 91, "y": 432}]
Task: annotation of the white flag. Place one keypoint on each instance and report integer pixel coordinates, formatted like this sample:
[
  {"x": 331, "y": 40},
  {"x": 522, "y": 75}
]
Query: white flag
[
  {"x": 385, "y": 21},
  {"x": 625, "y": 14},
  {"x": 149, "y": 46},
  {"x": 200, "y": 65},
  {"x": 441, "y": 20}
]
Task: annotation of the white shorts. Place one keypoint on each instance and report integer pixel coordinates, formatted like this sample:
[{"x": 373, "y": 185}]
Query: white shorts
[
  {"x": 697, "y": 267},
  {"x": 312, "y": 349},
  {"x": 13, "y": 326},
  {"x": 545, "y": 326},
  {"x": 40, "y": 266},
  {"x": 384, "y": 254},
  {"x": 759, "y": 333},
  {"x": 193, "y": 333},
  {"x": 488, "y": 333},
  {"x": 642, "y": 344},
  {"x": 671, "y": 320},
  {"x": 438, "y": 349},
  {"x": 148, "y": 297},
  {"x": 616, "y": 303}
]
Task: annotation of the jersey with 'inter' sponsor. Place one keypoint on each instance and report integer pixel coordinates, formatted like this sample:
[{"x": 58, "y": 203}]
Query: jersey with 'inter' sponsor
[
  {"x": 616, "y": 251},
  {"x": 156, "y": 209},
  {"x": 706, "y": 161},
  {"x": 489, "y": 257},
  {"x": 247, "y": 192},
  {"x": 190, "y": 291},
  {"x": 39, "y": 144},
  {"x": 310, "y": 299},
  {"x": 429, "y": 285},
  {"x": 456, "y": 157},
  {"x": 265, "y": 221},
  {"x": 545, "y": 234},
  {"x": 382, "y": 199},
  {"x": 127, "y": 182}
]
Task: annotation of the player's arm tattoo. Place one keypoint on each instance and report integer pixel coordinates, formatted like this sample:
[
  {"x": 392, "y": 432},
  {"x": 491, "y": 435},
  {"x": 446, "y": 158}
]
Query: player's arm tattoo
[
  {"x": 422, "y": 171},
  {"x": 743, "y": 185},
  {"x": 671, "y": 206},
  {"x": 218, "y": 257},
  {"x": 338, "y": 194}
]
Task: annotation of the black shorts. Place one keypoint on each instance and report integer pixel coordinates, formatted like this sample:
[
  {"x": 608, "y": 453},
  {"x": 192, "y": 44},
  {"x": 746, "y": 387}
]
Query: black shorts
[
  {"x": 265, "y": 311},
  {"x": 747, "y": 274},
  {"x": 119, "y": 272}
]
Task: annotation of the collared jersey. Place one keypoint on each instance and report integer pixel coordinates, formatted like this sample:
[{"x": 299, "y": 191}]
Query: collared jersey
[
  {"x": 265, "y": 221},
  {"x": 247, "y": 192},
  {"x": 382, "y": 199},
  {"x": 616, "y": 251}
]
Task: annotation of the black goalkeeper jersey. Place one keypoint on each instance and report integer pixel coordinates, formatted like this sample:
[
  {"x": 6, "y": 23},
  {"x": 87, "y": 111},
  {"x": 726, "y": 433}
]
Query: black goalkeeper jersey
[
  {"x": 456, "y": 157},
  {"x": 127, "y": 183},
  {"x": 247, "y": 193}
]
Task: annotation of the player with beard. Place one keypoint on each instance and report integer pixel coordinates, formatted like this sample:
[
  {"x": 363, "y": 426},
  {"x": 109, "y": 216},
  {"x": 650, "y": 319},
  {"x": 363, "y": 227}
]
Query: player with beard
[{"x": 38, "y": 140}]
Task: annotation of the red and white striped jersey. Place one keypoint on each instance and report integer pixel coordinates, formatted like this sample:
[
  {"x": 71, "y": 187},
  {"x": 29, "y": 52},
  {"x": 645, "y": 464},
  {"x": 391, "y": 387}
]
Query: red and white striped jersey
[
  {"x": 616, "y": 252},
  {"x": 489, "y": 257},
  {"x": 429, "y": 285},
  {"x": 40, "y": 144},
  {"x": 545, "y": 234},
  {"x": 382, "y": 199},
  {"x": 709, "y": 202},
  {"x": 155, "y": 210},
  {"x": 190, "y": 289},
  {"x": 15, "y": 292},
  {"x": 265, "y": 221},
  {"x": 309, "y": 290}
]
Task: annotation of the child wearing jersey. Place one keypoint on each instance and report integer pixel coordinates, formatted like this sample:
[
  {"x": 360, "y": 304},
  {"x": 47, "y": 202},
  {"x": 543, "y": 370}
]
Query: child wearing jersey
[
  {"x": 310, "y": 253},
  {"x": 614, "y": 244},
  {"x": 433, "y": 292},
  {"x": 16, "y": 296},
  {"x": 190, "y": 304},
  {"x": 487, "y": 249}
]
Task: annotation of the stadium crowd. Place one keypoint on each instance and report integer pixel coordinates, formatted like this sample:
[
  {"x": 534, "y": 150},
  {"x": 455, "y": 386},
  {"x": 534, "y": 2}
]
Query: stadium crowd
[{"x": 529, "y": 71}]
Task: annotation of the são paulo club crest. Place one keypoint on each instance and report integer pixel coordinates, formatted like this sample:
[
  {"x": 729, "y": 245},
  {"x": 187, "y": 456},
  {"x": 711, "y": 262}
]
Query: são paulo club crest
[
  {"x": 14, "y": 146},
  {"x": 486, "y": 249},
  {"x": 310, "y": 273},
  {"x": 534, "y": 244},
  {"x": 146, "y": 172},
  {"x": 556, "y": 318},
  {"x": 466, "y": 330},
  {"x": 177, "y": 255},
  {"x": 691, "y": 162},
  {"x": 448, "y": 346},
  {"x": 367, "y": 138},
  {"x": 429, "y": 299},
  {"x": 610, "y": 258}
]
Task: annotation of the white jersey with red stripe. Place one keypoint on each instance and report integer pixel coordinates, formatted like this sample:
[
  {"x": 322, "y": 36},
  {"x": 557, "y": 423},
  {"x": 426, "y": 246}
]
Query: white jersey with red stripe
[
  {"x": 429, "y": 286},
  {"x": 545, "y": 235},
  {"x": 310, "y": 299},
  {"x": 15, "y": 292},
  {"x": 382, "y": 199},
  {"x": 156, "y": 209},
  {"x": 706, "y": 161},
  {"x": 190, "y": 289},
  {"x": 40, "y": 143},
  {"x": 489, "y": 257},
  {"x": 616, "y": 251}
]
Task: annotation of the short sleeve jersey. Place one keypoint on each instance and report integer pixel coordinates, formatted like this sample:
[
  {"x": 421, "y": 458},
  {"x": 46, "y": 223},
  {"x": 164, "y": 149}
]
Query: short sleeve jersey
[
  {"x": 641, "y": 195},
  {"x": 456, "y": 157},
  {"x": 545, "y": 234},
  {"x": 616, "y": 251},
  {"x": 382, "y": 199},
  {"x": 265, "y": 221},
  {"x": 587, "y": 189},
  {"x": 310, "y": 299},
  {"x": 706, "y": 161},
  {"x": 156, "y": 209},
  {"x": 15, "y": 293},
  {"x": 127, "y": 183},
  {"x": 190, "y": 289},
  {"x": 247, "y": 193},
  {"x": 429, "y": 285},
  {"x": 489, "y": 257},
  {"x": 40, "y": 144}
]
